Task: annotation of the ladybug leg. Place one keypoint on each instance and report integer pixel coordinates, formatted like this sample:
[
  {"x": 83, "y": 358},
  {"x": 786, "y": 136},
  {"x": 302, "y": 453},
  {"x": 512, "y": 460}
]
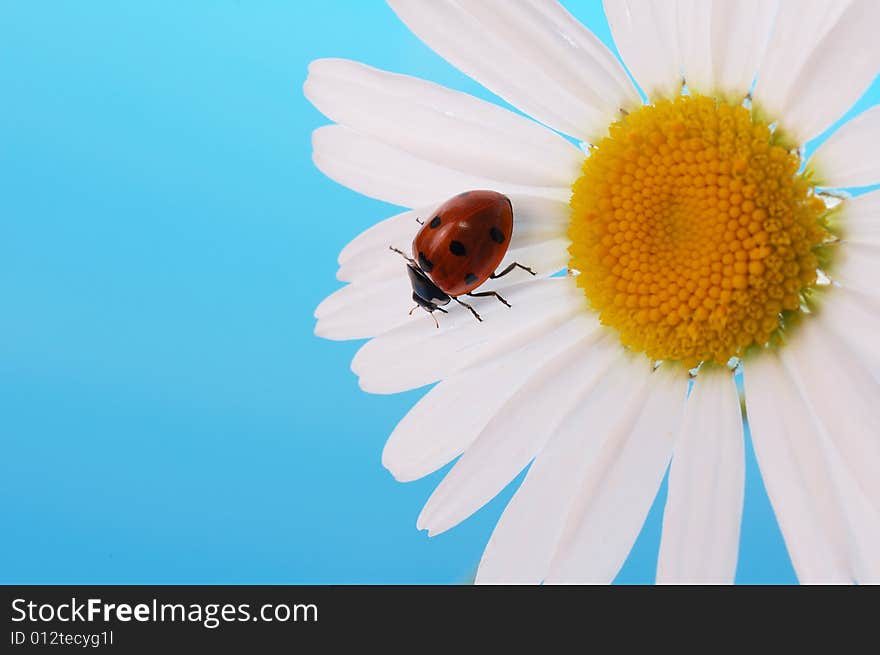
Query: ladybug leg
[
  {"x": 510, "y": 268},
  {"x": 431, "y": 314},
  {"x": 419, "y": 221},
  {"x": 404, "y": 255},
  {"x": 485, "y": 294},
  {"x": 464, "y": 304}
]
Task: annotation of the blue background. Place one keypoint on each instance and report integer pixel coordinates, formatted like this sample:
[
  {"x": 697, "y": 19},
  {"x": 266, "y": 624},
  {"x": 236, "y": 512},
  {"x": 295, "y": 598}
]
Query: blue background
[{"x": 167, "y": 414}]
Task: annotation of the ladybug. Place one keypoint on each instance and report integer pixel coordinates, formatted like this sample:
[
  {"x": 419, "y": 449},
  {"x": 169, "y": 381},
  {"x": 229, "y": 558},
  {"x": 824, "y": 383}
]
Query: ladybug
[{"x": 459, "y": 248}]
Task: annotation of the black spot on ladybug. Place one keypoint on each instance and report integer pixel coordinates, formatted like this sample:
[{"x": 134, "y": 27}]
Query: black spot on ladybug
[
  {"x": 435, "y": 222},
  {"x": 497, "y": 235},
  {"x": 464, "y": 195},
  {"x": 457, "y": 248},
  {"x": 470, "y": 278},
  {"x": 426, "y": 264}
]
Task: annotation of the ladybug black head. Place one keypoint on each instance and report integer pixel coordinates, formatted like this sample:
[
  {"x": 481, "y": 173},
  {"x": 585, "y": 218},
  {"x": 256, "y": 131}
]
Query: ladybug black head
[{"x": 427, "y": 294}]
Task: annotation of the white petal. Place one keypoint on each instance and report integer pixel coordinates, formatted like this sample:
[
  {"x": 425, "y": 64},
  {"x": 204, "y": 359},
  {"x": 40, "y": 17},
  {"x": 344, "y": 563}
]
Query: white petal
[
  {"x": 518, "y": 432},
  {"x": 468, "y": 400},
  {"x": 613, "y": 498},
  {"x": 367, "y": 256},
  {"x": 856, "y": 320},
  {"x": 794, "y": 466},
  {"x": 798, "y": 29},
  {"x": 646, "y": 34},
  {"x": 695, "y": 44},
  {"x": 739, "y": 37},
  {"x": 526, "y": 537},
  {"x": 843, "y": 396},
  {"x": 864, "y": 522},
  {"x": 860, "y": 216},
  {"x": 441, "y": 125},
  {"x": 857, "y": 266},
  {"x": 398, "y": 229},
  {"x": 836, "y": 74},
  {"x": 380, "y": 298},
  {"x": 866, "y": 239},
  {"x": 378, "y": 170},
  {"x": 850, "y": 158},
  {"x": 545, "y": 257},
  {"x": 722, "y": 42},
  {"x": 532, "y": 53},
  {"x": 417, "y": 353},
  {"x": 543, "y": 253},
  {"x": 704, "y": 504},
  {"x": 371, "y": 258},
  {"x": 362, "y": 310}
]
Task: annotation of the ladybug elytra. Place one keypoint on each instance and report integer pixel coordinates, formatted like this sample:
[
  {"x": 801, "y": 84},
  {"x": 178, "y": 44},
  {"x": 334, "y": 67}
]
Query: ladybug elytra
[{"x": 458, "y": 248}]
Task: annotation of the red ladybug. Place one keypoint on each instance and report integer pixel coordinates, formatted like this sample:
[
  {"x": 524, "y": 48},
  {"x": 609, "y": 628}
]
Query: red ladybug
[{"x": 459, "y": 248}]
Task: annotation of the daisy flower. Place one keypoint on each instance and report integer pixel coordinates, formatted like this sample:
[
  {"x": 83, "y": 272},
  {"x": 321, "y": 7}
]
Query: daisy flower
[{"x": 698, "y": 243}]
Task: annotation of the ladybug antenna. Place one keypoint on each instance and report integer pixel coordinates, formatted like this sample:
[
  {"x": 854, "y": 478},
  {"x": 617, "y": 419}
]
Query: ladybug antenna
[
  {"x": 403, "y": 254},
  {"x": 413, "y": 309}
]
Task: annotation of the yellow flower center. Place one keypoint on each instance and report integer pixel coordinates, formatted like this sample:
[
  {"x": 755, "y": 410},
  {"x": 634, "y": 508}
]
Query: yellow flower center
[{"x": 693, "y": 235}]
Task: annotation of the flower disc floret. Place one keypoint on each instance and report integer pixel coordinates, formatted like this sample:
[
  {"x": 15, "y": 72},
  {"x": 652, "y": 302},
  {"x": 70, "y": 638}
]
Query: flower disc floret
[{"x": 692, "y": 231}]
